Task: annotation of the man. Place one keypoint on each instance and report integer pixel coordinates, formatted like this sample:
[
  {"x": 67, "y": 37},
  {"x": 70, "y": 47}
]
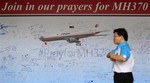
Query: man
[{"x": 122, "y": 58}]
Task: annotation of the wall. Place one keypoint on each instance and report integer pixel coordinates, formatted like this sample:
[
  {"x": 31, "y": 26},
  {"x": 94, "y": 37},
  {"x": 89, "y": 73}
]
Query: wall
[{"x": 26, "y": 59}]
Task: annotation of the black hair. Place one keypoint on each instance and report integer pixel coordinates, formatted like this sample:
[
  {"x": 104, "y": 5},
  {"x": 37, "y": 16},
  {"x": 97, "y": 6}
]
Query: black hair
[{"x": 122, "y": 32}]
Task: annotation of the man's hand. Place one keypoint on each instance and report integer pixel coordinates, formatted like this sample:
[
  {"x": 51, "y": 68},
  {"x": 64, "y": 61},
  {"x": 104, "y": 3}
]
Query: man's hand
[{"x": 109, "y": 54}]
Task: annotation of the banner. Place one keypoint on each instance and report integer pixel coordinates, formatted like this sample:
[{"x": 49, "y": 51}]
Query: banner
[{"x": 75, "y": 7}]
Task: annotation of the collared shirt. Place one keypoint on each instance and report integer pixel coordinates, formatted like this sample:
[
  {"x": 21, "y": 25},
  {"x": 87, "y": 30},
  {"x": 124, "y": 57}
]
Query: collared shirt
[{"x": 124, "y": 50}]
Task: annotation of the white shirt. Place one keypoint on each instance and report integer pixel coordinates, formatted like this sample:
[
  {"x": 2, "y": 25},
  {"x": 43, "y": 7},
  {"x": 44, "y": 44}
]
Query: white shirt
[{"x": 123, "y": 67}]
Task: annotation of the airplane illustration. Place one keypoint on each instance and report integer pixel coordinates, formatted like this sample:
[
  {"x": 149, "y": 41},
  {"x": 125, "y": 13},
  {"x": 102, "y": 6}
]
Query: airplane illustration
[{"x": 73, "y": 37}]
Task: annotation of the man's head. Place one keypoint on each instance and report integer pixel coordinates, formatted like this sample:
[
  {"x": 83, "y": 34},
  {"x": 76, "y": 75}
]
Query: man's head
[{"x": 120, "y": 35}]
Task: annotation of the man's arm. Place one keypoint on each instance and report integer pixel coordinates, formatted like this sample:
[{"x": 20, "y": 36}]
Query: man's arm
[{"x": 115, "y": 57}]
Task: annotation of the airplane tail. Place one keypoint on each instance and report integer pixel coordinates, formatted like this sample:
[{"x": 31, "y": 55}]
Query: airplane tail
[
  {"x": 102, "y": 35},
  {"x": 102, "y": 31}
]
